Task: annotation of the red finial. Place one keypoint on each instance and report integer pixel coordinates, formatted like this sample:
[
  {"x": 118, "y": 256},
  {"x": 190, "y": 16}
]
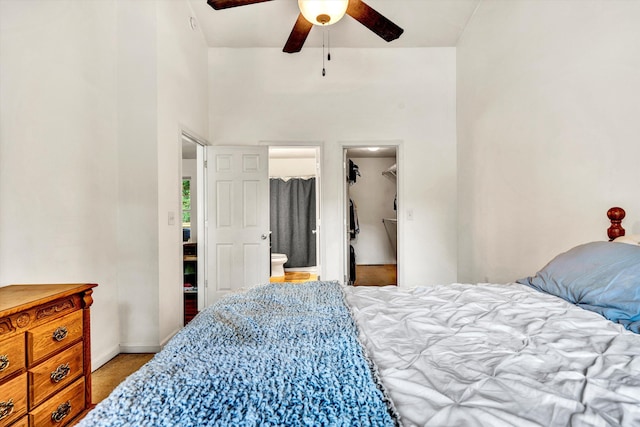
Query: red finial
[{"x": 615, "y": 215}]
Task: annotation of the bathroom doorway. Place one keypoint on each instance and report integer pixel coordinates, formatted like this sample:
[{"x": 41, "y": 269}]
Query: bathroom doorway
[
  {"x": 294, "y": 212},
  {"x": 371, "y": 200}
]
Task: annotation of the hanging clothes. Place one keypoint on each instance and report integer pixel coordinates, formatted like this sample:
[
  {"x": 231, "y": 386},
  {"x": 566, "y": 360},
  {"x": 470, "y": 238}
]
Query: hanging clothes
[
  {"x": 353, "y": 173},
  {"x": 352, "y": 265},
  {"x": 353, "y": 220}
]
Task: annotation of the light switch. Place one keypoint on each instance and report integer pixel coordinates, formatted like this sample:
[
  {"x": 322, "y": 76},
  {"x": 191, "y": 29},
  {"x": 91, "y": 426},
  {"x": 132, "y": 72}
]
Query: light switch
[
  {"x": 171, "y": 218},
  {"x": 409, "y": 214}
]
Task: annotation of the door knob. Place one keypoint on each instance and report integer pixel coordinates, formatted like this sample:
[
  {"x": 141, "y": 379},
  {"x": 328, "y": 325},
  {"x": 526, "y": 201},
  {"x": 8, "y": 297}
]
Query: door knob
[{"x": 264, "y": 236}]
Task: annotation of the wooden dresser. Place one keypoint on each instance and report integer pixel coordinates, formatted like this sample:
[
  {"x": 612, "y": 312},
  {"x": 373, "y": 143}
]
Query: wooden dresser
[{"x": 45, "y": 354}]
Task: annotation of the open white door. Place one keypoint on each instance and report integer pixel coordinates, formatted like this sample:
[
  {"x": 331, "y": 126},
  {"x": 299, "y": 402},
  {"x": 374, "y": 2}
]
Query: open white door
[
  {"x": 318, "y": 230},
  {"x": 238, "y": 252}
]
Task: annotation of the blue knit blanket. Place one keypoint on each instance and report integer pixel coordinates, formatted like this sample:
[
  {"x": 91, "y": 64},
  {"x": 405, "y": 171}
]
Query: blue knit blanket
[{"x": 277, "y": 355}]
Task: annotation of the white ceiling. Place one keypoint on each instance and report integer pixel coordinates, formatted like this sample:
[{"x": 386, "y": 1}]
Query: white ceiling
[
  {"x": 426, "y": 23},
  {"x": 367, "y": 152}
]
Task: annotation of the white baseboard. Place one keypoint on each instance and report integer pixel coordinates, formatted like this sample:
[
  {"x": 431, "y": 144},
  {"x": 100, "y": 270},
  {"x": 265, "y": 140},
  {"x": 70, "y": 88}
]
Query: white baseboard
[
  {"x": 100, "y": 360},
  {"x": 168, "y": 337},
  {"x": 124, "y": 348}
]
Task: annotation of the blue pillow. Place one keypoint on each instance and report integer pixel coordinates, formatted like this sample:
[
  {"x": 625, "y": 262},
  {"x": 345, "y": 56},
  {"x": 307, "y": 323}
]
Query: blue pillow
[{"x": 601, "y": 276}]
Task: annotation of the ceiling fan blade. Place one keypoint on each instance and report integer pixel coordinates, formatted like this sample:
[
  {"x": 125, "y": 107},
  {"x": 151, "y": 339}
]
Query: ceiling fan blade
[
  {"x": 373, "y": 20},
  {"x": 225, "y": 4},
  {"x": 298, "y": 35}
]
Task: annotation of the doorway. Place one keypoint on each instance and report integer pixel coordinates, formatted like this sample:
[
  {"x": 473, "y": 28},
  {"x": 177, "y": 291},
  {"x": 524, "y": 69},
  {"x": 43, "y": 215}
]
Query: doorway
[
  {"x": 371, "y": 200},
  {"x": 192, "y": 220},
  {"x": 238, "y": 232},
  {"x": 294, "y": 213}
]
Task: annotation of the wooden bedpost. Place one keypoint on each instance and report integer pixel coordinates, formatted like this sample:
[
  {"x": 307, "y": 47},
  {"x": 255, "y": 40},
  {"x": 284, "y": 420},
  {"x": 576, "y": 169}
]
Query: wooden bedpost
[{"x": 615, "y": 215}]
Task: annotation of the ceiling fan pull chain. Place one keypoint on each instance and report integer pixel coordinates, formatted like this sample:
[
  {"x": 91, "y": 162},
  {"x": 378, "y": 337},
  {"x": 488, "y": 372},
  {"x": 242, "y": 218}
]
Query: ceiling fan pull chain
[
  {"x": 328, "y": 46},
  {"x": 323, "y": 70}
]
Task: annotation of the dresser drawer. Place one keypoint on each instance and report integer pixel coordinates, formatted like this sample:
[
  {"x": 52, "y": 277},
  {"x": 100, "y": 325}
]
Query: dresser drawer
[
  {"x": 61, "y": 408},
  {"x": 53, "y": 336},
  {"x": 22, "y": 422},
  {"x": 13, "y": 400},
  {"x": 54, "y": 374},
  {"x": 11, "y": 355}
]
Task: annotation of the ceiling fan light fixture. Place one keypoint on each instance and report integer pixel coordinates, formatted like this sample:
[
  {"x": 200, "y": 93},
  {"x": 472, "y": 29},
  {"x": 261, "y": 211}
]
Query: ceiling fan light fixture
[{"x": 323, "y": 12}]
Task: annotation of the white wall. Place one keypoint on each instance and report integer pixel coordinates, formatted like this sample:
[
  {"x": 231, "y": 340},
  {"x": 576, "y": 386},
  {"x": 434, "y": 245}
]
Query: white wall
[
  {"x": 59, "y": 152},
  {"x": 547, "y": 131},
  {"x": 297, "y": 167},
  {"x": 162, "y": 73},
  {"x": 94, "y": 97},
  {"x": 138, "y": 181},
  {"x": 162, "y": 70},
  {"x": 373, "y": 196},
  {"x": 369, "y": 95},
  {"x": 182, "y": 106}
]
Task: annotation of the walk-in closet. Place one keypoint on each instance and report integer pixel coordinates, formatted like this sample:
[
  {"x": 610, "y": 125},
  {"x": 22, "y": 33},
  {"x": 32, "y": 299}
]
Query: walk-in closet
[{"x": 372, "y": 224}]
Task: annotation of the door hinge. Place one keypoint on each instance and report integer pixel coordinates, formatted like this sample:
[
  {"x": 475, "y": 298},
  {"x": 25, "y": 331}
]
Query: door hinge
[{"x": 206, "y": 164}]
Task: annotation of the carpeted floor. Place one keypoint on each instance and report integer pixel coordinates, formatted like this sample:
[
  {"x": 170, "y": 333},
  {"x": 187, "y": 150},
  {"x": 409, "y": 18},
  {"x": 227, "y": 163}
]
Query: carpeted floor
[{"x": 112, "y": 373}]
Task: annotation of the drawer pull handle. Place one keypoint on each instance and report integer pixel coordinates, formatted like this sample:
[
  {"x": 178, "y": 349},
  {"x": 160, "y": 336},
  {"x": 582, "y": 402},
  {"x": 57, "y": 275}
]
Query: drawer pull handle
[
  {"x": 4, "y": 362},
  {"x": 60, "y": 373},
  {"x": 63, "y": 410},
  {"x": 60, "y": 333},
  {"x": 6, "y": 408}
]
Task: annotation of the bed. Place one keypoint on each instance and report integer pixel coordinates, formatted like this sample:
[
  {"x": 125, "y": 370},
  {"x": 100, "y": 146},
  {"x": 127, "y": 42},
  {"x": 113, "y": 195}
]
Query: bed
[{"x": 558, "y": 348}]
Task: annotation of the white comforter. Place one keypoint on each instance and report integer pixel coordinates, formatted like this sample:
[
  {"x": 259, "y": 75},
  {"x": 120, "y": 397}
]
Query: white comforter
[{"x": 498, "y": 355}]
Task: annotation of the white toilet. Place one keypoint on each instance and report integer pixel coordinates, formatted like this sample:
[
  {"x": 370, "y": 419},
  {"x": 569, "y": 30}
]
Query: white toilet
[{"x": 277, "y": 264}]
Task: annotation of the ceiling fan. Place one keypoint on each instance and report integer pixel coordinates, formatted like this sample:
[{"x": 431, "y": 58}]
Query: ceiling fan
[{"x": 325, "y": 12}]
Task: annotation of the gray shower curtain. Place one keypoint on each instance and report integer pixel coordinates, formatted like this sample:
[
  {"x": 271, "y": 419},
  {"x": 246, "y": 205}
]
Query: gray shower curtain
[{"x": 293, "y": 217}]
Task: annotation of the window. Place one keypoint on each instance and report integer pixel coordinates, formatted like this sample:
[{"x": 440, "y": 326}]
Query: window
[{"x": 186, "y": 209}]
